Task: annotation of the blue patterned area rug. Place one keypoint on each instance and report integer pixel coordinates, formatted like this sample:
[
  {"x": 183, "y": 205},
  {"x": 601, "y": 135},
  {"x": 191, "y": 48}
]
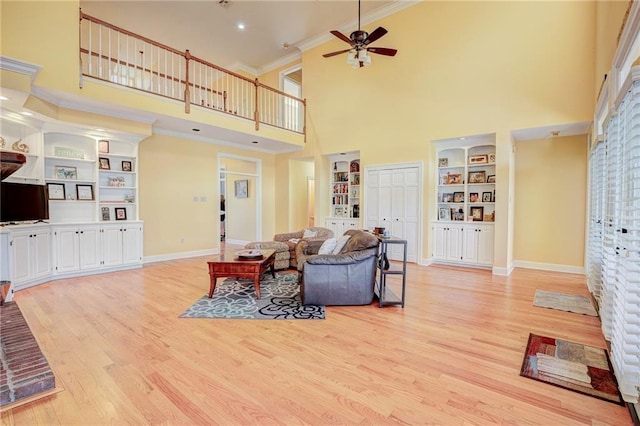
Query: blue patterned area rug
[{"x": 236, "y": 298}]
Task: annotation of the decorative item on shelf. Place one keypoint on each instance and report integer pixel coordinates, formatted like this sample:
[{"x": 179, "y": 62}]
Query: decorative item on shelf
[
  {"x": 103, "y": 146},
  {"x": 477, "y": 177},
  {"x": 454, "y": 179},
  {"x": 242, "y": 188},
  {"x": 121, "y": 213},
  {"x": 3, "y": 143},
  {"x": 84, "y": 192},
  {"x": 473, "y": 197},
  {"x": 477, "y": 214},
  {"x": 459, "y": 215},
  {"x": 488, "y": 217},
  {"x": 443, "y": 162},
  {"x": 486, "y": 197},
  {"x": 104, "y": 163},
  {"x": 65, "y": 172},
  {"x": 444, "y": 213},
  {"x": 447, "y": 197},
  {"x": 129, "y": 198},
  {"x": 478, "y": 159},
  {"x": 491, "y": 179},
  {"x": 105, "y": 213},
  {"x": 62, "y": 151},
  {"x": 126, "y": 166},
  {"x": 356, "y": 210},
  {"x": 354, "y": 167},
  {"x": 355, "y": 180},
  {"x": 20, "y": 147},
  {"x": 492, "y": 158},
  {"x": 458, "y": 197},
  {"x": 55, "y": 191}
]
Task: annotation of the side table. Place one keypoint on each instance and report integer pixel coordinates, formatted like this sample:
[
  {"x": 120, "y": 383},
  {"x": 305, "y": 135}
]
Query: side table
[{"x": 383, "y": 292}]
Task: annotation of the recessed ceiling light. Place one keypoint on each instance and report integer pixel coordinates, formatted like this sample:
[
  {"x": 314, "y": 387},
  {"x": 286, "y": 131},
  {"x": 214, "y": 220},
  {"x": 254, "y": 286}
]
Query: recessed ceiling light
[
  {"x": 240, "y": 26},
  {"x": 196, "y": 130},
  {"x": 462, "y": 139},
  {"x": 26, "y": 113},
  {"x": 3, "y": 98}
]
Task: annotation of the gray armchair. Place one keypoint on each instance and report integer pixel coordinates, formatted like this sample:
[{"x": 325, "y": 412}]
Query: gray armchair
[{"x": 347, "y": 278}]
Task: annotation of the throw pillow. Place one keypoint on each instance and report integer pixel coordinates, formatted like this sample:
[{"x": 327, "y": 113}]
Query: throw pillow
[
  {"x": 340, "y": 244},
  {"x": 309, "y": 234},
  {"x": 328, "y": 246}
]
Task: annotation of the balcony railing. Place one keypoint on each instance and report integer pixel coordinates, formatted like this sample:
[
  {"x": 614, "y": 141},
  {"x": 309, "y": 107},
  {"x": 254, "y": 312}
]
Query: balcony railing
[{"x": 121, "y": 57}]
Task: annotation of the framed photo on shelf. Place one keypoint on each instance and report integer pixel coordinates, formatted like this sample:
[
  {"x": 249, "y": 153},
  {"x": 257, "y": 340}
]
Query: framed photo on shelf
[
  {"x": 121, "y": 213},
  {"x": 103, "y": 146},
  {"x": 242, "y": 188},
  {"x": 491, "y": 179},
  {"x": 492, "y": 158},
  {"x": 84, "y": 192},
  {"x": 477, "y": 213},
  {"x": 477, "y": 177},
  {"x": 459, "y": 215},
  {"x": 444, "y": 213},
  {"x": 473, "y": 197},
  {"x": 126, "y": 166},
  {"x": 454, "y": 179},
  {"x": 443, "y": 162},
  {"x": 447, "y": 198},
  {"x": 458, "y": 197},
  {"x": 487, "y": 197},
  {"x": 478, "y": 159},
  {"x": 105, "y": 213},
  {"x": 104, "y": 163},
  {"x": 55, "y": 191},
  {"x": 65, "y": 172}
]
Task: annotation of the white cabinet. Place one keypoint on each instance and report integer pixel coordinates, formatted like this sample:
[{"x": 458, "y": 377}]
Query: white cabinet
[
  {"x": 31, "y": 255},
  {"x": 463, "y": 243},
  {"x": 122, "y": 244},
  {"x": 339, "y": 225}
]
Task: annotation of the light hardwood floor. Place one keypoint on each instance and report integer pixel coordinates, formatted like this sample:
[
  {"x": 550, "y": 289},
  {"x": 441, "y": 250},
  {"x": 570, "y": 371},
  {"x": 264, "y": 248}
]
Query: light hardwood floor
[{"x": 451, "y": 356}]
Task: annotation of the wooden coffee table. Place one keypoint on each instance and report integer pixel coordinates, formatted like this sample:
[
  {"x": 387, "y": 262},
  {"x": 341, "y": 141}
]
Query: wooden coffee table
[{"x": 230, "y": 265}]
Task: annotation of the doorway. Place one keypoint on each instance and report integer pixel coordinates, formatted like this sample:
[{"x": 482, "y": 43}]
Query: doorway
[{"x": 291, "y": 84}]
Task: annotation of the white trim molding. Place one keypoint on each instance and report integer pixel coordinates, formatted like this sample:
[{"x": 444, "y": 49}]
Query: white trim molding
[
  {"x": 569, "y": 269},
  {"x": 22, "y": 67},
  {"x": 181, "y": 255}
]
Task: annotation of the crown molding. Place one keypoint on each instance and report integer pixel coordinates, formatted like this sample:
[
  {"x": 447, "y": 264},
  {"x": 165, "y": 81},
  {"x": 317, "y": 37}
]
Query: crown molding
[
  {"x": 295, "y": 56},
  {"x": 22, "y": 67},
  {"x": 239, "y": 66}
]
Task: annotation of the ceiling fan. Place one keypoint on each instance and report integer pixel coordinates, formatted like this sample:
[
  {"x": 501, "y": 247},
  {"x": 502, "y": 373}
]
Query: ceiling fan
[{"x": 359, "y": 41}]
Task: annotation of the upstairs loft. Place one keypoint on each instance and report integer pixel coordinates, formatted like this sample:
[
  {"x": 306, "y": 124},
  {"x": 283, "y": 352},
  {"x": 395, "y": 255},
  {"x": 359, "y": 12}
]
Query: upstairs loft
[{"x": 128, "y": 76}]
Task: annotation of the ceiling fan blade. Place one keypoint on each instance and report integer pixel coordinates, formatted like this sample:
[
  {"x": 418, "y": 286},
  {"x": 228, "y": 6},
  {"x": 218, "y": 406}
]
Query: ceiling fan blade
[
  {"x": 328, "y": 55},
  {"x": 376, "y": 34},
  {"x": 341, "y": 36},
  {"x": 382, "y": 51}
]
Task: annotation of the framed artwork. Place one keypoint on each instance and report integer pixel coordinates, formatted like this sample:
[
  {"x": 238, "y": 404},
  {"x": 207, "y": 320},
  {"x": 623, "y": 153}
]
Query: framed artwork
[
  {"x": 65, "y": 172},
  {"x": 84, "y": 192},
  {"x": 491, "y": 179},
  {"x": 103, "y": 146},
  {"x": 459, "y": 215},
  {"x": 447, "y": 198},
  {"x": 444, "y": 213},
  {"x": 121, "y": 213},
  {"x": 454, "y": 179},
  {"x": 477, "y": 213},
  {"x": 443, "y": 162},
  {"x": 104, "y": 163},
  {"x": 56, "y": 191},
  {"x": 492, "y": 158},
  {"x": 105, "y": 213},
  {"x": 242, "y": 188},
  {"x": 473, "y": 197},
  {"x": 478, "y": 159},
  {"x": 487, "y": 197},
  {"x": 126, "y": 166},
  {"x": 458, "y": 197},
  {"x": 477, "y": 177}
]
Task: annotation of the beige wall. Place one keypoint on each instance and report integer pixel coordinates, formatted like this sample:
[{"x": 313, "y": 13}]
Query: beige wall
[
  {"x": 609, "y": 18},
  {"x": 300, "y": 171},
  {"x": 241, "y": 212},
  {"x": 550, "y": 200}
]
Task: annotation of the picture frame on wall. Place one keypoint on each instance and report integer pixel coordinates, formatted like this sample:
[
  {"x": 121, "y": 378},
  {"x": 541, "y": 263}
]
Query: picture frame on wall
[
  {"x": 84, "y": 192},
  {"x": 492, "y": 158},
  {"x": 458, "y": 197},
  {"x": 473, "y": 197},
  {"x": 103, "y": 146},
  {"x": 121, "y": 213},
  {"x": 56, "y": 191},
  {"x": 477, "y": 213},
  {"x": 491, "y": 179},
  {"x": 477, "y": 177},
  {"x": 444, "y": 213},
  {"x": 126, "y": 166},
  {"x": 454, "y": 179},
  {"x": 105, "y": 214},
  {"x": 478, "y": 159},
  {"x": 242, "y": 188},
  {"x": 487, "y": 197},
  {"x": 104, "y": 163},
  {"x": 443, "y": 162},
  {"x": 65, "y": 172}
]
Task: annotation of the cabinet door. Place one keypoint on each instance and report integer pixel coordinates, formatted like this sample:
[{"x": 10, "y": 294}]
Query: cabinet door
[
  {"x": 131, "y": 244},
  {"x": 67, "y": 251},
  {"x": 439, "y": 242},
  {"x": 112, "y": 246},
  {"x": 21, "y": 256},
  {"x": 454, "y": 243},
  {"x": 485, "y": 245},
  {"x": 90, "y": 247},
  {"x": 41, "y": 250},
  {"x": 470, "y": 244}
]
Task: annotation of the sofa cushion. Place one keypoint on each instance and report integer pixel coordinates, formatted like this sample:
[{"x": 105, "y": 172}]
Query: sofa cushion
[
  {"x": 340, "y": 244},
  {"x": 309, "y": 234},
  {"x": 360, "y": 240},
  {"x": 328, "y": 246}
]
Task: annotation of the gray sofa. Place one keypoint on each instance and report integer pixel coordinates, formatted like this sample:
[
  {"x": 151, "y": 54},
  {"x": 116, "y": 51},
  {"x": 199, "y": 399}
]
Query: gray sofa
[{"x": 347, "y": 278}]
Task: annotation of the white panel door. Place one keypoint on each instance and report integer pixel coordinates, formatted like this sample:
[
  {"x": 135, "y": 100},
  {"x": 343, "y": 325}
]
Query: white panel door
[
  {"x": 131, "y": 244},
  {"x": 439, "y": 241},
  {"x": 90, "y": 247},
  {"x": 112, "y": 246},
  {"x": 41, "y": 246},
  {"x": 485, "y": 245},
  {"x": 386, "y": 199},
  {"x": 67, "y": 257},
  {"x": 372, "y": 200},
  {"x": 21, "y": 256}
]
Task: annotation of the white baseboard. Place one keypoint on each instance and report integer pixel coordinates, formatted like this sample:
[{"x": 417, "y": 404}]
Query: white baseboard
[
  {"x": 181, "y": 255},
  {"x": 505, "y": 272},
  {"x": 426, "y": 262},
  {"x": 550, "y": 267},
  {"x": 238, "y": 242}
]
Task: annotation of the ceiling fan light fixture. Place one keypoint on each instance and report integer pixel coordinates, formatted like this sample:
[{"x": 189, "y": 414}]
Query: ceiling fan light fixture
[{"x": 352, "y": 58}]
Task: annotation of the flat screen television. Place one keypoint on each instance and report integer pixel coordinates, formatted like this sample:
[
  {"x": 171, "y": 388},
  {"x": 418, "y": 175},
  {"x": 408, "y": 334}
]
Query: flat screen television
[{"x": 23, "y": 202}]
